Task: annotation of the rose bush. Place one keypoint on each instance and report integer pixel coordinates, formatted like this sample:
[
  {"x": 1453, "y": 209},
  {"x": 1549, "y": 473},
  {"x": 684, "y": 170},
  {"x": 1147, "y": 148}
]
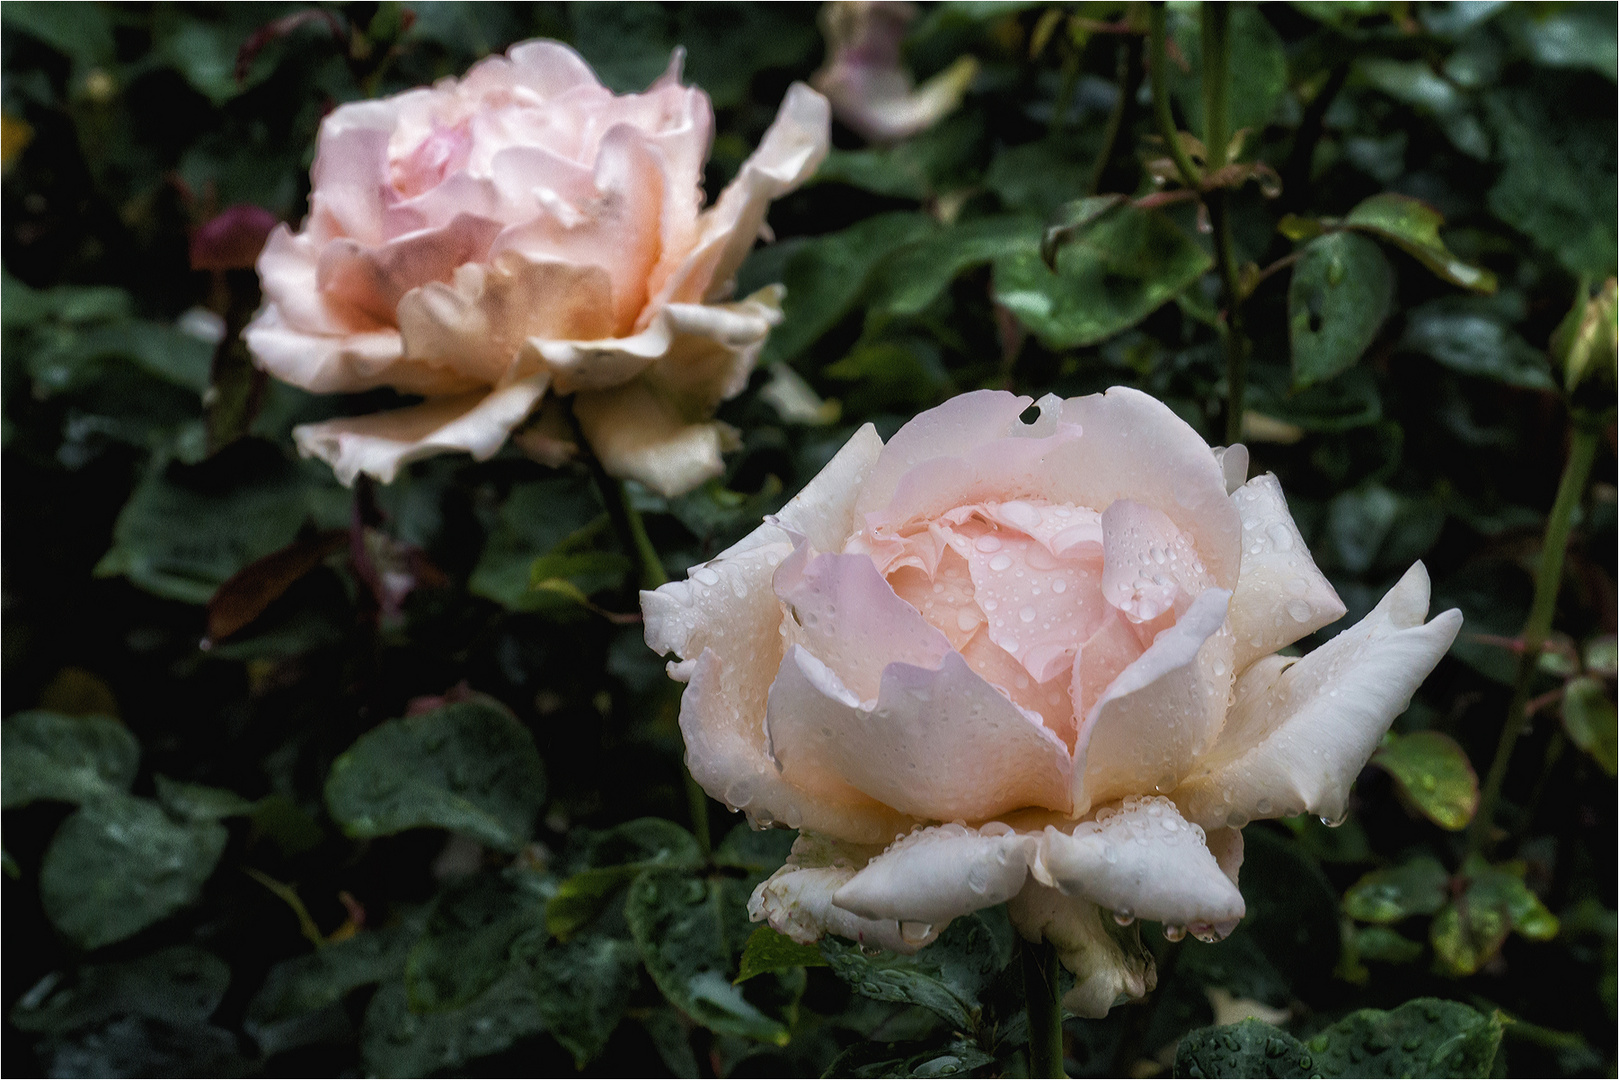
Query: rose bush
[
  {"x": 522, "y": 231},
  {"x": 997, "y": 660}
]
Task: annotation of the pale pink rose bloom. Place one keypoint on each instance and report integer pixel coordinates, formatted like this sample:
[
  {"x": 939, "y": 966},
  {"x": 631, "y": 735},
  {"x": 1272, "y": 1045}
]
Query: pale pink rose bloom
[
  {"x": 522, "y": 231},
  {"x": 1030, "y": 662},
  {"x": 870, "y": 89}
]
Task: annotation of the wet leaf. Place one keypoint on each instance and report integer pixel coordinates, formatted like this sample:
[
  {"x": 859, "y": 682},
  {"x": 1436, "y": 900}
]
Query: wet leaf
[
  {"x": 286, "y": 1011},
  {"x": 469, "y": 766},
  {"x": 914, "y": 276},
  {"x": 957, "y": 1057},
  {"x": 582, "y": 988},
  {"x": 1379, "y": 943},
  {"x": 1417, "y": 887},
  {"x": 396, "y": 1041},
  {"x": 768, "y": 950},
  {"x": 1588, "y": 717},
  {"x": 463, "y": 949},
  {"x": 1250, "y": 1048},
  {"x": 1434, "y": 773},
  {"x": 613, "y": 859},
  {"x": 119, "y": 864},
  {"x": 45, "y": 755},
  {"x": 1424, "y": 1037},
  {"x": 1468, "y": 933},
  {"x": 1471, "y": 335},
  {"x": 1339, "y": 296},
  {"x": 182, "y": 985},
  {"x": 1414, "y": 226}
]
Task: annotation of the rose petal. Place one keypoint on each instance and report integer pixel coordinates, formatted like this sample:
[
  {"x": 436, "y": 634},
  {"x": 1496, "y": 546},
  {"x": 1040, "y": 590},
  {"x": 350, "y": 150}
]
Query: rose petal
[
  {"x": 823, "y": 513},
  {"x": 933, "y": 875},
  {"x": 1048, "y": 700},
  {"x": 1104, "y": 656},
  {"x": 349, "y": 179},
  {"x": 288, "y": 271},
  {"x": 372, "y": 279},
  {"x": 1108, "y": 964},
  {"x": 951, "y": 430},
  {"x": 1148, "y": 566},
  {"x": 379, "y": 444},
  {"x": 1161, "y": 712},
  {"x": 927, "y": 724},
  {"x": 797, "y": 899},
  {"x": 346, "y": 363},
  {"x": 1299, "y": 732},
  {"x": 639, "y": 436},
  {"x": 1143, "y": 860},
  {"x": 1280, "y": 596}
]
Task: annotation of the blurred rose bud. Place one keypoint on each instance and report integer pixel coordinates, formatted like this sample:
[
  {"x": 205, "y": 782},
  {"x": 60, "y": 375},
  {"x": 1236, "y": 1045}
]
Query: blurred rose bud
[
  {"x": 1583, "y": 346},
  {"x": 232, "y": 239},
  {"x": 870, "y": 90},
  {"x": 524, "y": 232}
]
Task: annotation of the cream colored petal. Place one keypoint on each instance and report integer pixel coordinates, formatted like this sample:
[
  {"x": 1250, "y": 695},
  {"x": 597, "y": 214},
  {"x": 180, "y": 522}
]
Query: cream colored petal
[
  {"x": 1233, "y": 462},
  {"x": 380, "y": 444},
  {"x": 1300, "y": 731},
  {"x": 1110, "y": 965},
  {"x": 1280, "y": 595},
  {"x": 639, "y": 436},
  {"x": 935, "y": 874},
  {"x": 1143, "y": 860},
  {"x": 371, "y": 279},
  {"x": 345, "y": 363},
  {"x": 797, "y": 900},
  {"x": 885, "y": 106},
  {"x": 289, "y": 269},
  {"x": 951, "y": 430},
  {"x": 1159, "y": 714},
  {"x": 824, "y": 512}
]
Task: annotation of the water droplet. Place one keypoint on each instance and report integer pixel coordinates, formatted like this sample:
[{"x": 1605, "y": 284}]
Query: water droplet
[
  {"x": 1059, "y": 586},
  {"x": 966, "y": 620},
  {"x": 914, "y": 933},
  {"x": 1028, "y": 613},
  {"x": 706, "y": 576},
  {"x": 1299, "y": 610},
  {"x": 1001, "y": 562},
  {"x": 1124, "y": 917},
  {"x": 1174, "y": 933},
  {"x": 987, "y": 543}
]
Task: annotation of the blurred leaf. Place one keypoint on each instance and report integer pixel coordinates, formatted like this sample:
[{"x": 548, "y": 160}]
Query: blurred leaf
[
  {"x": 1251, "y": 1048},
  {"x": 1257, "y": 74},
  {"x": 1414, "y": 226},
  {"x": 1418, "y": 85},
  {"x": 668, "y": 1030},
  {"x": 298, "y": 989},
  {"x": 533, "y": 522},
  {"x": 893, "y": 375},
  {"x": 768, "y": 950},
  {"x": 947, "y": 977},
  {"x": 1468, "y": 933},
  {"x": 1338, "y": 298},
  {"x": 1345, "y": 842},
  {"x": 1342, "y": 404},
  {"x": 463, "y": 949},
  {"x": 1567, "y": 35},
  {"x": 143, "y": 1046},
  {"x": 45, "y": 755},
  {"x": 1417, "y": 887},
  {"x": 1584, "y": 343},
  {"x": 914, "y": 276},
  {"x": 80, "y": 31},
  {"x": 1424, "y": 1037},
  {"x": 398, "y": 1042},
  {"x": 687, "y": 940},
  {"x": 246, "y": 594},
  {"x": 582, "y": 988},
  {"x": 613, "y": 859},
  {"x": 891, "y": 171},
  {"x": 1589, "y": 719},
  {"x": 1435, "y": 773},
  {"x": 1371, "y": 527},
  {"x": 1386, "y": 946},
  {"x": 183, "y": 984},
  {"x": 578, "y": 573},
  {"x": 1116, "y": 274},
  {"x": 199, "y": 802},
  {"x": 470, "y": 767},
  {"x": 1470, "y": 335},
  {"x": 1036, "y": 178},
  {"x": 119, "y": 864},
  {"x": 957, "y": 1057},
  {"x": 760, "y": 852},
  {"x": 1292, "y": 908}
]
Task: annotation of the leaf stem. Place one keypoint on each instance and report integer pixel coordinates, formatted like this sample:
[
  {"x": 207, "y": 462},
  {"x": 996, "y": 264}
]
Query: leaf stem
[
  {"x": 1548, "y": 579},
  {"x": 1040, "y": 989},
  {"x": 1158, "y": 60},
  {"x": 1216, "y": 73},
  {"x": 1129, "y": 78}
]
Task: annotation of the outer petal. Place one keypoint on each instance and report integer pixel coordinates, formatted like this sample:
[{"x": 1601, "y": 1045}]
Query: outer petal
[
  {"x": 345, "y": 363},
  {"x": 789, "y": 153},
  {"x": 640, "y": 436},
  {"x": 1160, "y": 712},
  {"x": 1109, "y": 963},
  {"x": 1143, "y": 860},
  {"x": 951, "y": 430},
  {"x": 797, "y": 900},
  {"x": 926, "y": 724},
  {"x": 824, "y": 512},
  {"x": 1281, "y": 596},
  {"x": 288, "y": 268},
  {"x": 1300, "y": 732},
  {"x": 933, "y": 875},
  {"x": 381, "y": 443}
]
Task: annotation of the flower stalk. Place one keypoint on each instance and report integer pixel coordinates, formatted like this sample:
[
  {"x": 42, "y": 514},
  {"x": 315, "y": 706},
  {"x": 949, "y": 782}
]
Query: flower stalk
[
  {"x": 1548, "y": 579},
  {"x": 1043, "y": 999},
  {"x": 1216, "y": 142}
]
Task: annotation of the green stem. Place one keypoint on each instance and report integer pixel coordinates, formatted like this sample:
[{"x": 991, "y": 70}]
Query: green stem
[
  {"x": 1548, "y": 579},
  {"x": 1040, "y": 988},
  {"x": 1158, "y": 59},
  {"x": 1216, "y": 73},
  {"x": 1115, "y": 120},
  {"x": 646, "y": 556}
]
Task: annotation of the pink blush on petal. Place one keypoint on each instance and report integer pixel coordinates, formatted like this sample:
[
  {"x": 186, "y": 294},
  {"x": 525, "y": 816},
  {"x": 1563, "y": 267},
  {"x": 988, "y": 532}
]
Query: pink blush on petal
[{"x": 435, "y": 157}]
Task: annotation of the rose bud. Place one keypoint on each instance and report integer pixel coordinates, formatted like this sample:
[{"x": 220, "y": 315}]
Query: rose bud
[
  {"x": 232, "y": 239},
  {"x": 519, "y": 232},
  {"x": 1035, "y": 662},
  {"x": 870, "y": 89}
]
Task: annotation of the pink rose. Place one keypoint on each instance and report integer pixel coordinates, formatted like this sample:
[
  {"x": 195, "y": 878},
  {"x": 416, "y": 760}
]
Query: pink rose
[
  {"x": 870, "y": 89},
  {"x": 520, "y": 231},
  {"x": 1030, "y": 662}
]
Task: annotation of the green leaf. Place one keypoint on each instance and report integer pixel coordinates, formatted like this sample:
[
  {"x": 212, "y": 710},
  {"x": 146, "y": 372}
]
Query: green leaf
[
  {"x": 1417, "y": 887},
  {"x": 687, "y": 939},
  {"x": 613, "y": 859},
  {"x": 1434, "y": 773},
  {"x": 183, "y": 534},
  {"x": 1418, "y": 85},
  {"x": 893, "y": 171},
  {"x": 957, "y": 1057},
  {"x": 914, "y": 276},
  {"x": 1338, "y": 298},
  {"x": 672, "y": 1039},
  {"x": 1472, "y": 929},
  {"x": 768, "y": 950},
  {"x": 469, "y": 766},
  {"x": 1386, "y": 946},
  {"x": 535, "y": 521},
  {"x": 1588, "y": 717},
  {"x": 1414, "y": 226},
  {"x": 1251, "y": 1048},
  {"x": 1350, "y": 401},
  {"x": 81, "y": 31},
  {"x": 200, "y": 802},
  {"x": 897, "y": 375},
  {"x": 182, "y": 985},
  {"x": 760, "y": 852},
  {"x": 582, "y": 988},
  {"x": 395, "y": 1041},
  {"x": 947, "y": 977},
  {"x": 465, "y": 946},
  {"x": 1372, "y": 527},
  {"x": 1257, "y": 73},
  {"x": 1120, "y": 271},
  {"x": 1567, "y": 36},
  {"x": 1471, "y": 335},
  {"x": 284, "y": 1012},
  {"x": 45, "y": 755},
  {"x": 1036, "y": 178},
  {"x": 119, "y": 864},
  {"x": 1424, "y": 1037}
]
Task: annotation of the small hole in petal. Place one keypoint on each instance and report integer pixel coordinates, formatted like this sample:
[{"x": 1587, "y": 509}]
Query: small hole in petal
[{"x": 1030, "y": 415}]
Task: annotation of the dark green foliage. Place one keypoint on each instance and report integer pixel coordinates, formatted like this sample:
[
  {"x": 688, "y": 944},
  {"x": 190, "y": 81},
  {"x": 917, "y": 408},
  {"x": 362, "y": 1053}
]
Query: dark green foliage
[{"x": 71, "y": 758}]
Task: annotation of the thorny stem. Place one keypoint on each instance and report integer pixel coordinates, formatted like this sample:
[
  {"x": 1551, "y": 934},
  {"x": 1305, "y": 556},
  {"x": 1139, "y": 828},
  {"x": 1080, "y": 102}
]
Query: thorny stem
[
  {"x": 1216, "y": 71},
  {"x": 1158, "y": 60},
  {"x": 1548, "y": 578},
  {"x": 1042, "y": 999}
]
